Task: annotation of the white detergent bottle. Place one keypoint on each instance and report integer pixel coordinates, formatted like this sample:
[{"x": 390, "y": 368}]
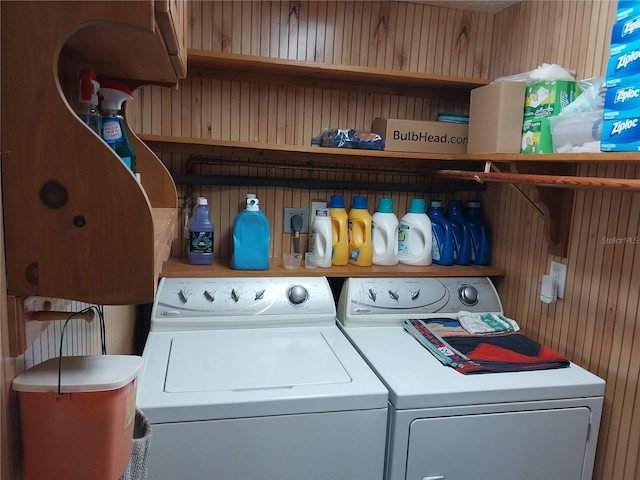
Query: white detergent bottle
[
  {"x": 414, "y": 235},
  {"x": 385, "y": 234},
  {"x": 320, "y": 238}
]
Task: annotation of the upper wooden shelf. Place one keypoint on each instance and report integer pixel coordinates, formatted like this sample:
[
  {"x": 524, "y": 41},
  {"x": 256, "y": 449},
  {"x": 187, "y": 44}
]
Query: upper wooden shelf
[
  {"x": 228, "y": 66},
  {"x": 180, "y": 267},
  {"x": 263, "y": 151}
]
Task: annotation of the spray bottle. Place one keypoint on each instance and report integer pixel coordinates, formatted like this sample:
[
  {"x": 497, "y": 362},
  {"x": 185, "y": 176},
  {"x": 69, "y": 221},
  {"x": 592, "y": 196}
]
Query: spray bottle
[
  {"x": 114, "y": 130},
  {"x": 88, "y": 100}
]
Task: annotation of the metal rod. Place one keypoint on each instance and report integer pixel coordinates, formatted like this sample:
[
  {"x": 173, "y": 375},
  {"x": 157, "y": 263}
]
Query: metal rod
[{"x": 314, "y": 184}]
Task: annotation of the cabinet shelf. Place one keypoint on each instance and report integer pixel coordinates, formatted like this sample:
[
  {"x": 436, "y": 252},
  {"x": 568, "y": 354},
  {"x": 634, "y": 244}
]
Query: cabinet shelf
[
  {"x": 77, "y": 223},
  {"x": 180, "y": 267},
  {"x": 250, "y": 68}
]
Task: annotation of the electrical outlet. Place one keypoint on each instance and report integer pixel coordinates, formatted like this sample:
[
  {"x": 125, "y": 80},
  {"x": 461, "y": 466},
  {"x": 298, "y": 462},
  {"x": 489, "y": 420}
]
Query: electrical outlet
[
  {"x": 290, "y": 212},
  {"x": 558, "y": 271}
]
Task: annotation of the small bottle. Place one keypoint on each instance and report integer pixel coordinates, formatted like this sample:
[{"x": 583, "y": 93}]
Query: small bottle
[
  {"x": 414, "y": 235},
  {"x": 339, "y": 231},
  {"x": 442, "y": 237},
  {"x": 201, "y": 235},
  {"x": 88, "y": 100},
  {"x": 480, "y": 247},
  {"x": 251, "y": 238},
  {"x": 461, "y": 233},
  {"x": 320, "y": 237},
  {"x": 385, "y": 234},
  {"x": 114, "y": 129},
  {"x": 359, "y": 229}
]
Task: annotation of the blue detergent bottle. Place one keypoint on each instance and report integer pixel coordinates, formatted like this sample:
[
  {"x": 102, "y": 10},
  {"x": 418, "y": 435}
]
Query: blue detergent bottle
[
  {"x": 442, "y": 245},
  {"x": 251, "y": 238},
  {"x": 480, "y": 247},
  {"x": 201, "y": 235},
  {"x": 461, "y": 233}
]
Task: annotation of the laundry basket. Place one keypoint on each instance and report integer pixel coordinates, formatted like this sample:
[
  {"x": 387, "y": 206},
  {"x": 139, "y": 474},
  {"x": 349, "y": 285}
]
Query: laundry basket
[
  {"x": 139, "y": 460},
  {"x": 77, "y": 416}
]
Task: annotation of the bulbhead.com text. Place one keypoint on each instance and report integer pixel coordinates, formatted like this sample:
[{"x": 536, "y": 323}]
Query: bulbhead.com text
[{"x": 412, "y": 136}]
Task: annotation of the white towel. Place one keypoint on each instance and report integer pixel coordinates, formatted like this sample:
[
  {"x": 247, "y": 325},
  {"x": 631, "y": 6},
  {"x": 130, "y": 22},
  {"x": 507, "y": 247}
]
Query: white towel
[{"x": 478, "y": 323}]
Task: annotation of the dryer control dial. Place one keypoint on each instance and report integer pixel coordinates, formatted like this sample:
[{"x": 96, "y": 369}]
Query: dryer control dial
[
  {"x": 468, "y": 295},
  {"x": 297, "y": 294}
]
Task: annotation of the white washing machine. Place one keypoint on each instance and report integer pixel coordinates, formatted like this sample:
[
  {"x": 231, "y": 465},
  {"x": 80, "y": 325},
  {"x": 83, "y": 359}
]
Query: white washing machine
[
  {"x": 536, "y": 425},
  {"x": 251, "y": 378}
]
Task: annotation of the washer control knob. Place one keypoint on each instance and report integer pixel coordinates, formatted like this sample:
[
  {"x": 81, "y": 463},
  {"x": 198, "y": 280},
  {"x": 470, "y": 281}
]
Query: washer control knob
[
  {"x": 183, "y": 296},
  {"x": 468, "y": 295},
  {"x": 297, "y": 294}
]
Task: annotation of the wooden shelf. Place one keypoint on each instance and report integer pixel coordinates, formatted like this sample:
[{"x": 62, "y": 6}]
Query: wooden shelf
[
  {"x": 180, "y": 267},
  {"x": 230, "y": 66}
]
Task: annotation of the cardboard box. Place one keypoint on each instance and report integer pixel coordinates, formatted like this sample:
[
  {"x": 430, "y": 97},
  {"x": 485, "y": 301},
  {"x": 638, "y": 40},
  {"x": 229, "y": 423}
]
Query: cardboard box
[
  {"x": 421, "y": 137},
  {"x": 536, "y": 136},
  {"x": 495, "y": 118},
  {"x": 549, "y": 97}
]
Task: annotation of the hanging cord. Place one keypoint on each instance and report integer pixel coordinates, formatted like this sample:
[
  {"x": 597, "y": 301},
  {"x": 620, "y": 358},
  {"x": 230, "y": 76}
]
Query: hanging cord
[{"x": 99, "y": 309}]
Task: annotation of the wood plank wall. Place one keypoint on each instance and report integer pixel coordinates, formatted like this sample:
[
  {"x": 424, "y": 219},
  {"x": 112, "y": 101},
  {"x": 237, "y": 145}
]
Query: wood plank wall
[{"x": 595, "y": 324}]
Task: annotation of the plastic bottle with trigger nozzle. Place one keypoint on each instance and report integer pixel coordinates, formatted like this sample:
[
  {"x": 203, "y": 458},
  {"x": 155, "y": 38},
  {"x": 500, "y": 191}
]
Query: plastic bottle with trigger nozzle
[
  {"x": 88, "y": 100},
  {"x": 114, "y": 129}
]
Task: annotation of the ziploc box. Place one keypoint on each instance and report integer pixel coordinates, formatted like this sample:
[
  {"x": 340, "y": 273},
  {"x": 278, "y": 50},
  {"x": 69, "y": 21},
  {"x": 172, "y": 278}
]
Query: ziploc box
[
  {"x": 621, "y": 135},
  {"x": 625, "y": 32},
  {"x": 495, "y": 117},
  {"x": 626, "y": 9},
  {"x": 422, "y": 136},
  {"x": 624, "y": 68},
  {"x": 536, "y": 136},
  {"x": 548, "y": 97},
  {"x": 622, "y": 101}
]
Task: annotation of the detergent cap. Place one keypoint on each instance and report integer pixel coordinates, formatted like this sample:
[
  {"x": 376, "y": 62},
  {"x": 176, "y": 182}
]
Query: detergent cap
[
  {"x": 253, "y": 204},
  {"x": 359, "y": 203},
  {"x": 336, "y": 201},
  {"x": 416, "y": 205},
  {"x": 436, "y": 203},
  {"x": 89, "y": 87},
  {"x": 114, "y": 94},
  {"x": 385, "y": 205}
]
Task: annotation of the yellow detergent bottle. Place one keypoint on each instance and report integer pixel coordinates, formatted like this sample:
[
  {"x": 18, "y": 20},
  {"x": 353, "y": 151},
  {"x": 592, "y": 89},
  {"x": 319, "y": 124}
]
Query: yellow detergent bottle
[
  {"x": 339, "y": 233},
  {"x": 360, "y": 244}
]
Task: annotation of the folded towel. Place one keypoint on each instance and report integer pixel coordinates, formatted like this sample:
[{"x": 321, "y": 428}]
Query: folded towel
[
  {"x": 471, "y": 354},
  {"x": 479, "y": 323}
]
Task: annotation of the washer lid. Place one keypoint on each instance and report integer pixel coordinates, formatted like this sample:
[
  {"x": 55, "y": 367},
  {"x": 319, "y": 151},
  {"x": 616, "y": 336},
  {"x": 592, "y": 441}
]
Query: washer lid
[
  {"x": 241, "y": 360},
  {"x": 218, "y": 374}
]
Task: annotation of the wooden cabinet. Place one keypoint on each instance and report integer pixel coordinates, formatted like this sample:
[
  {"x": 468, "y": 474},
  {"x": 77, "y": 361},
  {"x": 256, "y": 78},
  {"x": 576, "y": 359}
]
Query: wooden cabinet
[{"x": 77, "y": 223}]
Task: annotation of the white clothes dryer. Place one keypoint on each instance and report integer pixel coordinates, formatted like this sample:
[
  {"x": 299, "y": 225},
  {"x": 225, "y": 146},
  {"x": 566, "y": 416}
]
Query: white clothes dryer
[
  {"x": 528, "y": 425},
  {"x": 251, "y": 378}
]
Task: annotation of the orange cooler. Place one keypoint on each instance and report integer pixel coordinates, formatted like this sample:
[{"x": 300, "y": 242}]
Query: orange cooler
[{"x": 87, "y": 430}]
